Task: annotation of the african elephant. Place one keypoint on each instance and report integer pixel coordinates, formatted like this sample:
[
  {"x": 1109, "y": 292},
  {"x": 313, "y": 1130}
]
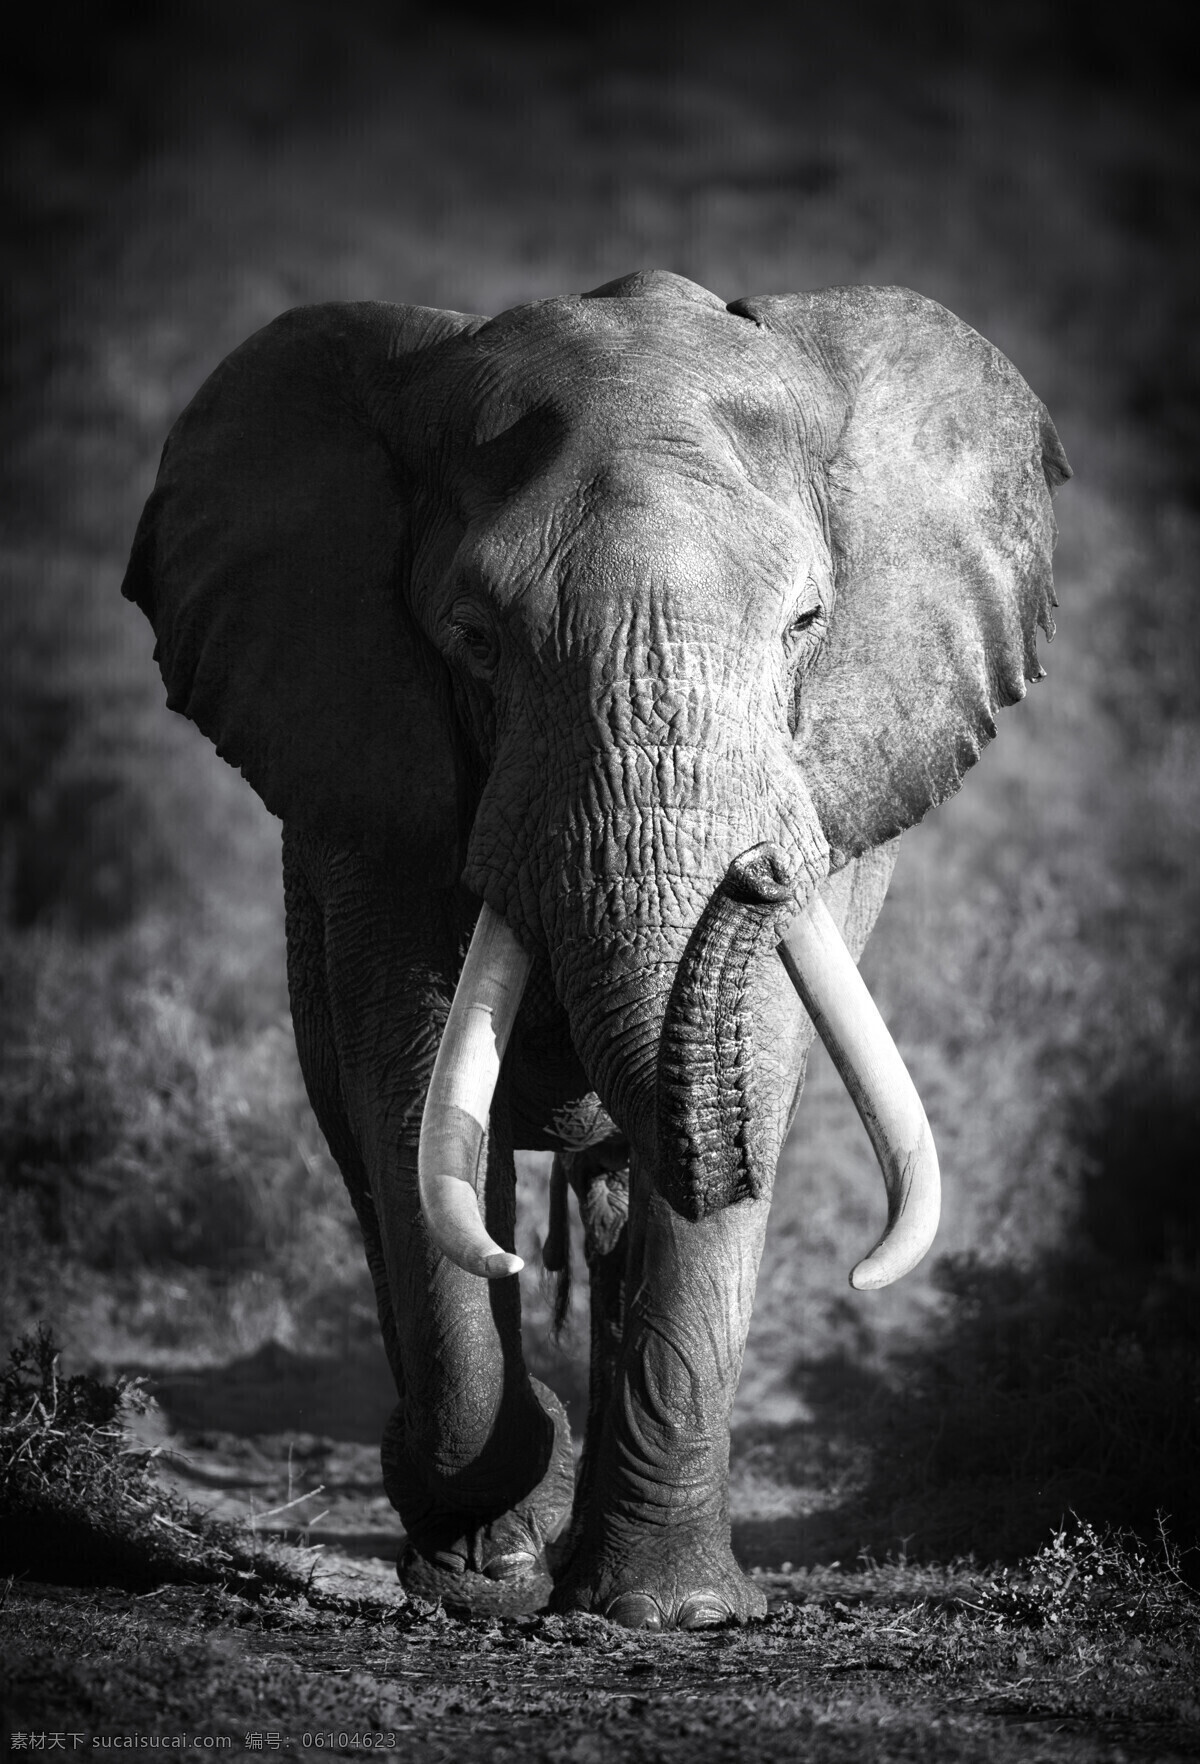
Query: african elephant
[{"x": 590, "y": 655}]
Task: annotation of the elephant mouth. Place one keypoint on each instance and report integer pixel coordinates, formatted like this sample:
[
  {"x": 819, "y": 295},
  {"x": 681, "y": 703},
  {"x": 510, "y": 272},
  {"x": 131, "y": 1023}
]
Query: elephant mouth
[{"x": 829, "y": 985}]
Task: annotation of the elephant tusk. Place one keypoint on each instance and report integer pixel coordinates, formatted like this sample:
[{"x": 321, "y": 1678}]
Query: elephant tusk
[
  {"x": 454, "y": 1125},
  {"x": 847, "y": 1019}
]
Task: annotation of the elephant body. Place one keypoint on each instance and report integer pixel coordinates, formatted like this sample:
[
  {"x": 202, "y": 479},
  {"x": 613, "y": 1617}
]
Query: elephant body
[{"x": 600, "y": 647}]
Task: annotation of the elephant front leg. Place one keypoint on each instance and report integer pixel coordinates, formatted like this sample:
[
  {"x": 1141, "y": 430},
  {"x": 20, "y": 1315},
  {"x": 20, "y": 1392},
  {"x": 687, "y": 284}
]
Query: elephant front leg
[
  {"x": 653, "y": 1546},
  {"x": 477, "y": 1456},
  {"x": 477, "y": 1459}
]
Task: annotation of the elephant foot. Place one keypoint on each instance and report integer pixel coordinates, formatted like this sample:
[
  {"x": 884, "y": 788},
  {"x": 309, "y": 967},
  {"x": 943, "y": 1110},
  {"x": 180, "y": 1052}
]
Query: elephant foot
[
  {"x": 650, "y": 1588},
  {"x": 499, "y": 1565},
  {"x": 466, "y": 1592}
]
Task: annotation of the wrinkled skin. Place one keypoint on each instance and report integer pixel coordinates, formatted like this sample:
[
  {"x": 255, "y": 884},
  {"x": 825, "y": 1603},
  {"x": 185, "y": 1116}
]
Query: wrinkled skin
[{"x": 580, "y": 612}]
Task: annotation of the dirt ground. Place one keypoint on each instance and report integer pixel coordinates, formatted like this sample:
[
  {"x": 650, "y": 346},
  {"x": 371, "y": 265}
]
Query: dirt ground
[
  {"x": 855, "y": 1660},
  {"x": 845, "y": 1666}
]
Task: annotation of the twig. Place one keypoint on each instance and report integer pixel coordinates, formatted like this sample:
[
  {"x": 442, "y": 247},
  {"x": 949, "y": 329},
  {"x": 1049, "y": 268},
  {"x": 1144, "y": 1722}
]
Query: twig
[{"x": 297, "y": 1501}]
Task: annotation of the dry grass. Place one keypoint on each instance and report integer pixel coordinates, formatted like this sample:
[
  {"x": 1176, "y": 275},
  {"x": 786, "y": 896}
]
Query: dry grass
[{"x": 78, "y": 1504}]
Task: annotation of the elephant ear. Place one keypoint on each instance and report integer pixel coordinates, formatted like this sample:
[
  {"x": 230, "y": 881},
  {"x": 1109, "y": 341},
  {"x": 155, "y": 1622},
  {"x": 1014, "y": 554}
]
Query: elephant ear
[
  {"x": 938, "y": 467},
  {"x": 271, "y": 561}
]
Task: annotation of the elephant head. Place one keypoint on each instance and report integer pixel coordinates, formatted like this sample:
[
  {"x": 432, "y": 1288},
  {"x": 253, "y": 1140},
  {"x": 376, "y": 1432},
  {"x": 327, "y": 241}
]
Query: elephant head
[{"x": 639, "y": 614}]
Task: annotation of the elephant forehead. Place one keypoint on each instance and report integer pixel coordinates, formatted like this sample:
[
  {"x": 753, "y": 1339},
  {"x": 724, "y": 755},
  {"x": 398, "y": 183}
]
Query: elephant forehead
[
  {"x": 658, "y": 558},
  {"x": 613, "y": 374},
  {"x": 658, "y": 547},
  {"x": 588, "y": 332},
  {"x": 613, "y": 451}
]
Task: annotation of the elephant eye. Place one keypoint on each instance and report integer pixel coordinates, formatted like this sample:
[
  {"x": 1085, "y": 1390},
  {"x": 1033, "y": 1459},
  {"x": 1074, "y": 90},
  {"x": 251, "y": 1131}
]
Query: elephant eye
[
  {"x": 801, "y": 640},
  {"x": 805, "y": 625},
  {"x": 474, "y": 644}
]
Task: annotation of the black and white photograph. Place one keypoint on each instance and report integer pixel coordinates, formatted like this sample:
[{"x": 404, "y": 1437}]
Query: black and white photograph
[{"x": 600, "y": 881}]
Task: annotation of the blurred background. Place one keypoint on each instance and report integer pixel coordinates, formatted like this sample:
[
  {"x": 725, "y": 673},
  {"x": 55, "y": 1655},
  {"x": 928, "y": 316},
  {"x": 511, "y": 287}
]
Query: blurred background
[{"x": 177, "y": 175}]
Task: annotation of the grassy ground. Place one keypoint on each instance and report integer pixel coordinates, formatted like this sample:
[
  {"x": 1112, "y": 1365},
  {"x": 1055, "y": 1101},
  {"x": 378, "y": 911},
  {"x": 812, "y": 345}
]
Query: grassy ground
[
  {"x": 870, "y": 1663},
  {"x": 166, "y": 1198},
  {"x": 161, "y": 1620}
]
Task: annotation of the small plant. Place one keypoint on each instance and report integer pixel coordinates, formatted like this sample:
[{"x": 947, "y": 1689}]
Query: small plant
[
  {"x": 64, "y": 1438},
  {"x": 77, "y": 1501},
  {"x": 1101, "y": 1580}
]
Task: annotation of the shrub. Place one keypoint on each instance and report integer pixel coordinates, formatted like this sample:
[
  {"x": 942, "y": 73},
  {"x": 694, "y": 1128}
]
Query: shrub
[
  {"x": 144, "y": 1127},
  {"x": 1069, "y": 1384},
  {"x": 77, "y": 1501},
  {"x": 1098, "y": 1580}
]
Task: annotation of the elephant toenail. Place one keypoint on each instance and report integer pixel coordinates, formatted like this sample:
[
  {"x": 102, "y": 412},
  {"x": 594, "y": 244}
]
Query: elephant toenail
[
  {"x": 511, "y": 1565},
  {"x": 635, "y": 1610},
  {"x": 450, "y": 1560},
  {"x": 703, "y": 1611}
]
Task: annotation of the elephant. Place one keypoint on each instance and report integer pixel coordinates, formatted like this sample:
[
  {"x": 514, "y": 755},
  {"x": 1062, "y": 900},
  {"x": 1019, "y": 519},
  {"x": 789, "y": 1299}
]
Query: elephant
[{"x": 594, "y": 657}]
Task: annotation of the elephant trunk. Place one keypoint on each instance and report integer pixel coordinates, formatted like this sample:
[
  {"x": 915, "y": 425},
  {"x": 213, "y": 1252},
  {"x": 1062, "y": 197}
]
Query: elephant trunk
[{"x": 712, "y": 1143}]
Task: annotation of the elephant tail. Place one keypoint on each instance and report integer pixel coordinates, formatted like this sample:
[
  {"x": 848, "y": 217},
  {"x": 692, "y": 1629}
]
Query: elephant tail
[{"x": 556, "y": 1251}]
